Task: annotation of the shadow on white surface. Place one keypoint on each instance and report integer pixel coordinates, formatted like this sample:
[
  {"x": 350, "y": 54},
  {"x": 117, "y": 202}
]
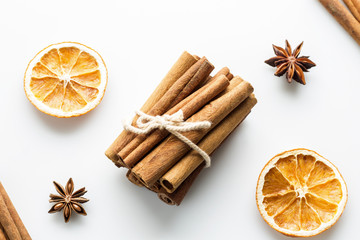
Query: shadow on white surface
[
  {"x": 63, "y": 125},
  {"x": 74, "y": 222},
  {"x": 145, "y": 202},
  {"x": 290, "y": 88}
]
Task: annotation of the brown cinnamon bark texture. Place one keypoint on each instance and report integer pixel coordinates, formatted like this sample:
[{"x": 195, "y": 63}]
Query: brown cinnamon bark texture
[
  {"x": 184, "y": 62},
  {"x": 183, "y": 87},
  {"x": 344, "y": 17},
  {"x": 141, "y": 145},
  {"x": 152, "y": 167},
  {"x": 9, "y": 218},
  {"x": 178, "y": 173},
  {"x": 214, "y": 138},
  {"x": 354, "y": 7}
]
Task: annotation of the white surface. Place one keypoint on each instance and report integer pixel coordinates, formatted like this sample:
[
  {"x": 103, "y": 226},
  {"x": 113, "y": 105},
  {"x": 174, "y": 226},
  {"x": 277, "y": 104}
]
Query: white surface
[{"x": 139, "y": 41}]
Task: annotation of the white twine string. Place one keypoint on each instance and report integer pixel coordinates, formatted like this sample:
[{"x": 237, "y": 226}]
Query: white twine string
[{"x": 172, "y": 123}]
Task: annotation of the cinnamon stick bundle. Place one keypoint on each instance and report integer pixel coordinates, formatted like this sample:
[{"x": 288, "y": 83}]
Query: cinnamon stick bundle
[
  {"x": 344, "y": 17},
  {"x": 141, "y": 145},
  {"x": 158, "y": 159},
  {"x": 183, "y": 87},
  {"x": 11, "y": 225},
  {"x": 153, "y": 166},
  {"x": 185, "y": 61}
]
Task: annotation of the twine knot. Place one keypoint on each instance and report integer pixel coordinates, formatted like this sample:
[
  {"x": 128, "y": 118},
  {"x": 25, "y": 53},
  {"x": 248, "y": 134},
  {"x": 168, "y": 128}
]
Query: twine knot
[{"x": 172, "y": 123}]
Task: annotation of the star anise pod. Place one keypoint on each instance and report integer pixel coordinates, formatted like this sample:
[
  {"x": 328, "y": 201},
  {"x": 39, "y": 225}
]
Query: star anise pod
[
  {"x": 68, "y": 200},
  {"x": 290, "y": 63}
]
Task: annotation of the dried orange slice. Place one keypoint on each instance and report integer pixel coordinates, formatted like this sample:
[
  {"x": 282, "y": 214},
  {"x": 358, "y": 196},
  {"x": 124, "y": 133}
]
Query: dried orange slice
[
  {"x": 66, "y": 79},
  {"x": 300, "y": 193}
]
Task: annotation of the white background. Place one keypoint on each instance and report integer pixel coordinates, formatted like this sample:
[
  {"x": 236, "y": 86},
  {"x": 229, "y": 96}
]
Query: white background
[{"x": 139, "y": 41}]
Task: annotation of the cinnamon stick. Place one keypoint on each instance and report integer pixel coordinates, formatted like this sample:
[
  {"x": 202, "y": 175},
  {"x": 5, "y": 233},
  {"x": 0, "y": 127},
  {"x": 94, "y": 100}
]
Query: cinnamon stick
[
  {"x": 141, "y": 145},
  {"x": 7, "y": 222},
  {"x": 354, "y": 7},
  {"x": 177, "y": 92},
  {"x": 178, "y": 173},
  {"x": 201, "y": 75},
  {"x": 184, "y": 62},
  {"x": 20, "y": 228},
  {"x": 151, "y": 168},
  {"x": 344, "y": 17}
]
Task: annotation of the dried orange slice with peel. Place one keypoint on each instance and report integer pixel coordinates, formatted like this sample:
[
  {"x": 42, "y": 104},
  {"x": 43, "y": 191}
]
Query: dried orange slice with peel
[
  {"x": 66, "y": 79},
  {"x": 300, "y": 193}
]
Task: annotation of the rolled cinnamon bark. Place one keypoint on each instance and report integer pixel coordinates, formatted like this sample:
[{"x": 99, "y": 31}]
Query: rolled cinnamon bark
[
  {"x": 184, "y": 62},
  {"x": 354, "y": 7},
  {"x": 14, "y": 215},
  {"x": 142, "y": 144},
  {"x": 344, "y": 17},
  {"x": 7, "y": 222},
  {"x": 152, "y": 167},
  {"x": 214, "y": 138},
  {"x": 201, "y": 75},
  {"x": 177, "y": 92},
  {"x": 178, "y": 173}
]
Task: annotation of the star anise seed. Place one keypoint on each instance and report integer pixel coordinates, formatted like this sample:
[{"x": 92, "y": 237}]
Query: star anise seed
[
  {"x": 68, "y": 200},
  {"x": 289, "y": 62}
]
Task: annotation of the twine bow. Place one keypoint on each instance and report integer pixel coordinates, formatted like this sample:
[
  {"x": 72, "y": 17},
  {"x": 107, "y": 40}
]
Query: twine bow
[{"x": 172, "y": 123}]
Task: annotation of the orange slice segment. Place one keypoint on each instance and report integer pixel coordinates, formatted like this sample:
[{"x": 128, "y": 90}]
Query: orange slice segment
[
  {"x": 72, "y": 100},
  {"x": 276, "y": 204},
  {"x": 330, "y": 191},
  {"x": 66, "y": 80},
  {"x": 40, "y": 71},
  {"x": 85, "y": 63},
  {"x": 92, "y": 79},
  {"x": 51, "y": 60},
  {"x": 309, "y": 219},
  {"x": 290, "y": 217},
  {"x": 68, "y": 58},
  {"x": 275, "y": 183},
  {"x": 300, "y": 193},
  {"x": 42, "y": 87},
  {"x": 87, "y": 93},
  {"x": 325, "y": 210}
]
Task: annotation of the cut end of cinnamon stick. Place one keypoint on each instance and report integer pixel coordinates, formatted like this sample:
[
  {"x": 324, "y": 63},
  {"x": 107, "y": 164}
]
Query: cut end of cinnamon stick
[{"x": 163, "y": 197}]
